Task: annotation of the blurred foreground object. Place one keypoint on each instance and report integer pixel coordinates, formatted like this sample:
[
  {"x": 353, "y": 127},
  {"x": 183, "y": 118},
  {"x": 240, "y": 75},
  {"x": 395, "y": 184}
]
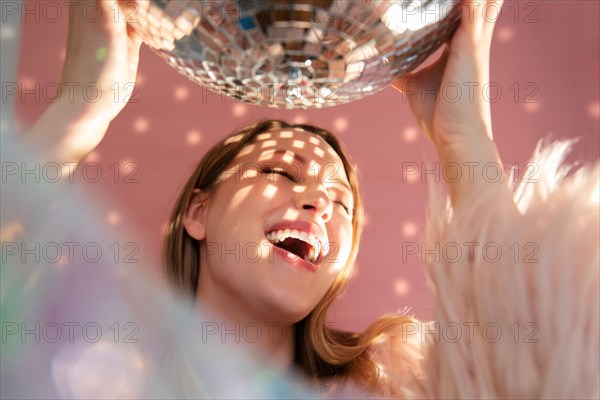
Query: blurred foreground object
[
  {"x": 295, "y": 54},
  {"x": 82, "y": 319}
]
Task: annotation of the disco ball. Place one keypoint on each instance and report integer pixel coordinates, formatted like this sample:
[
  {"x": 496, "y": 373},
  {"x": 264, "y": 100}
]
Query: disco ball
[{"x": 295, "y": 54}]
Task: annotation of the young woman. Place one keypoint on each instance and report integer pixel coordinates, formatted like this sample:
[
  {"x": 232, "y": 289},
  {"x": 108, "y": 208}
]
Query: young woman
[{"x": 289, "y": 196}]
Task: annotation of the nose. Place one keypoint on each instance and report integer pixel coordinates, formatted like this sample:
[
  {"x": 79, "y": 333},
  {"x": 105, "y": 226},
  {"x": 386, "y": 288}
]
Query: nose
[{"x": 316, "y": 199}]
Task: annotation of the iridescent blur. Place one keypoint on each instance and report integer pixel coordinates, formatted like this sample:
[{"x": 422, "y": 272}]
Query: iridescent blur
[{"x": 295, "y": 54}]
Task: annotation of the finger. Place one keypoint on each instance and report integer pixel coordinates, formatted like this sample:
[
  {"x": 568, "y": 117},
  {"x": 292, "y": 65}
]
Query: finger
[
  {"x": 401, "y": 83},
  {"x": 479, "y": 17},
  {"x": 431, "y": 74}
]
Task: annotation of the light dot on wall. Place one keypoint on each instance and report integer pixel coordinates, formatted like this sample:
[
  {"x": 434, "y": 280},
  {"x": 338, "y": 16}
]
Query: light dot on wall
[
  {"x": 409, "y": 229},
  {"x": 531, "y": 107},
  {"x": 410, "y": 134},
  {"x": 412, "y": 177},
  {"x": 128, "y": 169},
  {"x": 340, "y": 124},
  {"x": 181, "y": 93},
  {"x": 140, "y": 125},
  {"x": 140, "y": 79},
  {"x": 113, "y": 218},
  {"x": 299, "y": 119},
  {"x": 594, "y": 109},
  {"x": 193, "y": 137},
  {"x": 401, "y": 287},
  {"x": 505, "y": 34},
  {"x": 62, "y": 54},
  {"x": 239, "y": 110}
]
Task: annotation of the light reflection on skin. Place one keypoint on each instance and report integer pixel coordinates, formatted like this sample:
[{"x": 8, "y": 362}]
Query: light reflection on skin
[{"x": 244, "y": 281}]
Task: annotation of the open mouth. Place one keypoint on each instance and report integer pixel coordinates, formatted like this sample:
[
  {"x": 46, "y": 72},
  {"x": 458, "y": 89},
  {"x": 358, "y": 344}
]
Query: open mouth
[{"x": 302, "y": 244}]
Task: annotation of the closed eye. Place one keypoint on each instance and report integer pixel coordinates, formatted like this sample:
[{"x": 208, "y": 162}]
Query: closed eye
[
  {"x": 279, "y": 171},
  {"x": 344, "y": 206}
]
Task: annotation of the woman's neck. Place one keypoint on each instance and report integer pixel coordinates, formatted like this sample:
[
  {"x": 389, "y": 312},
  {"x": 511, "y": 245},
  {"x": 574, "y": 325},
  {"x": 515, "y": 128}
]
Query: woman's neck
[{"x": 225, "y": 321}]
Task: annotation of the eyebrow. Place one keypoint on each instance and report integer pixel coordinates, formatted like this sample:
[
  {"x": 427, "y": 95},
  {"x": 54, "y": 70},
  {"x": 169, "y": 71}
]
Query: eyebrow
[{"x": 303, "y": 161}]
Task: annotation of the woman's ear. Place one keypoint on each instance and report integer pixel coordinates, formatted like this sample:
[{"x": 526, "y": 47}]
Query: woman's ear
[{"x": 195, "y": 217}]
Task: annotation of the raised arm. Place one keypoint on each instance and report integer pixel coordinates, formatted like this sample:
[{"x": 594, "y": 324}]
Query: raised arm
[
  {"x": 103, "y": 52},
  {"x": 516, "y": 298},
  {"x": 460, "y": 130}
]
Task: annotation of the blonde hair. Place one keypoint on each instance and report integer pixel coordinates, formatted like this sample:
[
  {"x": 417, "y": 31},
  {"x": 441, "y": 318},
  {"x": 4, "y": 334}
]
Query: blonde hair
[{"x": 320, "y": 351}]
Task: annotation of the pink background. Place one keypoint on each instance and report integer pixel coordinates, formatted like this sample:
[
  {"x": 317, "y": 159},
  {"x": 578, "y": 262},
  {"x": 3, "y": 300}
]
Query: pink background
[{"x": 547, "y": 52}]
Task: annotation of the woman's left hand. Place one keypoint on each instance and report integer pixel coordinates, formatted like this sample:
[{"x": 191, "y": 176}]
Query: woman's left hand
[{"x": 461, "y": 130}]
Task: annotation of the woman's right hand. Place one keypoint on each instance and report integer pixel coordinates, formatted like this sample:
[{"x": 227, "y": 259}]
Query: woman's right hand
[{"x": 101, "y": 51}]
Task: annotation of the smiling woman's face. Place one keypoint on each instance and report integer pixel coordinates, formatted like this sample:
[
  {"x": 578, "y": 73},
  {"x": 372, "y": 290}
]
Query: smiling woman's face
[{"x": 277, "y": 229}]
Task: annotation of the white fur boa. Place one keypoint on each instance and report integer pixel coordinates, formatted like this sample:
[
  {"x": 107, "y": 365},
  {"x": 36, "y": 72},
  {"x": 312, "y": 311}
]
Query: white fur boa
[{"x": 519, "y": 323}]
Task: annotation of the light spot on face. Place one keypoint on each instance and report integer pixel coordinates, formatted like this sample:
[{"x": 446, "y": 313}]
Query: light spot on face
[
  {"x": 234, "y": 139},
  {"x": 286, "y": 134},
  {"x": 270, "y": 191},
  {"x": 269, "y": 143},
  {"x": 299, "y": 189},
  {"x": 291, "y": 214},
  {"x": 315, "y": 169},
  {"x": 319, "y": 152},
  {"x": 250, "y": 173},
  {"x": 266, "y": 155},
  {"x": 263, "y": 136},
  {"x": 299, "y": 144},
  {"x": 314, "y": 140},
  {"x": 332, "y": 152},
  {"x": 288, "y": 157},
  {"x": 246, "y": 150},
  {"x": 240, "y": 195},
  {"x": 228, "y": 173}
]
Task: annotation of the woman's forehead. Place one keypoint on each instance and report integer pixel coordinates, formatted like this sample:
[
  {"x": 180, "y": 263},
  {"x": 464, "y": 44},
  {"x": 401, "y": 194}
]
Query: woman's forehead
[{"x": 291, "y": 146}]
